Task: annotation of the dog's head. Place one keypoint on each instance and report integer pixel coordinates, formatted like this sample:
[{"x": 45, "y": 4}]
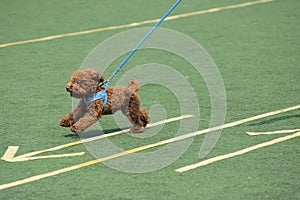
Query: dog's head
[{"x": 84, "y": 83}]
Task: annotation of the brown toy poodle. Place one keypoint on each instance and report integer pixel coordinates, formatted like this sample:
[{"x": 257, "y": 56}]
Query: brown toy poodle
[{"x": 96, "y": 101}]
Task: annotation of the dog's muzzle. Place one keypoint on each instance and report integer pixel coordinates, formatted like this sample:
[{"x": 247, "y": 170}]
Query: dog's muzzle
[{"x": 69, "y": 87}]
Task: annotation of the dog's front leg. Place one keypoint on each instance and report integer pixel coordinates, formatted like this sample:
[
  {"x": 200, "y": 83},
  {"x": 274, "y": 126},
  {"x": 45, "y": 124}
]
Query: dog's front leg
[
  {"x": 74, "y": 116},
  {"x": 94, "y": 113}
]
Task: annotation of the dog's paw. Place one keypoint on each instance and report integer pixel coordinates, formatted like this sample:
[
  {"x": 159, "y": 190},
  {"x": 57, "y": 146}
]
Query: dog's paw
[
  {"x": 64, "y": 122},
  {"x": 67, "y": 121},
  {"x": 137, "y": 129},
  {"x": 76, "y": 129}
]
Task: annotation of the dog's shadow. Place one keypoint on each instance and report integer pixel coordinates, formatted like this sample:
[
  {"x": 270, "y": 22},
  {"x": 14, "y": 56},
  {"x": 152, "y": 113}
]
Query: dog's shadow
[
  {"x": 93, "y": 133},
  {"x": 274, "y": 120}
]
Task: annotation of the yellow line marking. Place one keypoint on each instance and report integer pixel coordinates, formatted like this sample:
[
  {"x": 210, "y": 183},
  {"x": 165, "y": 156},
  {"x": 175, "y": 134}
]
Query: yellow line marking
[
  {"x": 12, "y": 150},
  {"x": 273, "y": 132},
  {"x": 135, "y": 24},
  {"x": 237, "y": 153},
  {"x": 92, "y": 162}
]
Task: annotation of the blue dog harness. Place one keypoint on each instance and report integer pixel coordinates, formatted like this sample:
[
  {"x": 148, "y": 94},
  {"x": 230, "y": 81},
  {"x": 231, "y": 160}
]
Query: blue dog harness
[{"x": 99, "y": 95}]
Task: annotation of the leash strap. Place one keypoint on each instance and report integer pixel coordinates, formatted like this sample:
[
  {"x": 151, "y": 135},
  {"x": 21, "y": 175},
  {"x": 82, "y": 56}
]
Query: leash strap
[{"x": 142, "y": 41}]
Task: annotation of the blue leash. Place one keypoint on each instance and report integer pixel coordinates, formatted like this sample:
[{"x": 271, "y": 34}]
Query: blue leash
[
  {"x": 102, "y": 94},
  {"x": 140, "y": 43}
]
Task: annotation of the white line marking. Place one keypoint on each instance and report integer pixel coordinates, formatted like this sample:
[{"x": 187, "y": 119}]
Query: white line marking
[
  {"x": 273, "y": 132},
  {"x": 10, "y": 153},
  {"x": 237, "y": 153},
  {"x": 52, "y": 156},
  {"x": 127, "y": 130},
  {"x": 12, "y": 150},
  {"x": 134, "y": 24},
  {"x": 92, "y": 162}
]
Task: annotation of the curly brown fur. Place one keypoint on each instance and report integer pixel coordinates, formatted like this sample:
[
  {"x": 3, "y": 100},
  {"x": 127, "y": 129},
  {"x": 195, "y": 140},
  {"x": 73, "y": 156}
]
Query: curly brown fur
[{"x": 84, "y": 84}]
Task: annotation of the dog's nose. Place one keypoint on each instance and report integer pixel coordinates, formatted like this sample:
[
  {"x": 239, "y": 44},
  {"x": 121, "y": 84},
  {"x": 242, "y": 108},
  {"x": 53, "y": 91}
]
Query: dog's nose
[{"x": 69, "y": 87}]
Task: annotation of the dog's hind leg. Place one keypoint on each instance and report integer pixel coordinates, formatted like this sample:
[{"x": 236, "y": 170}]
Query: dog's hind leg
[
  {"x": 144, "y": 117},
  {"x": 135, "y": 115}
]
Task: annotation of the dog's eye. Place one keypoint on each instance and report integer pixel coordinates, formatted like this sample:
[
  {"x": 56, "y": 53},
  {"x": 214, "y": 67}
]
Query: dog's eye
[{"x": 78, "y": 82}]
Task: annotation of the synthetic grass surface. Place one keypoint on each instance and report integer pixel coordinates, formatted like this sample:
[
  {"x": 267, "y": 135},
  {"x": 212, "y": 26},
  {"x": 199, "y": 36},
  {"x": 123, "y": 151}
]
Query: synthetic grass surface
[{"x": 256, "y": 49}]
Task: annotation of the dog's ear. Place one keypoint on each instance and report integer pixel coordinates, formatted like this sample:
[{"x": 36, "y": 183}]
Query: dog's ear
[{"x": 98, "y": 77}]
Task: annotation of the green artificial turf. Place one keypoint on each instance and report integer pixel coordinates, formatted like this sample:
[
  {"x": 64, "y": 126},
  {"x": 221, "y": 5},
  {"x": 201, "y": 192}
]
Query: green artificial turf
[{"x": 255, "y": 48}]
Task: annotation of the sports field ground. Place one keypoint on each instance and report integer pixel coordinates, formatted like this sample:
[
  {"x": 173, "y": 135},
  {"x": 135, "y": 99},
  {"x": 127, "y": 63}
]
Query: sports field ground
[{"x": 250, "y": 49}]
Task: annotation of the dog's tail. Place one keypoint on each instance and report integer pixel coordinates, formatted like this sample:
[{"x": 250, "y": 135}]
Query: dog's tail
[{"x": 134, "y": 85}]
